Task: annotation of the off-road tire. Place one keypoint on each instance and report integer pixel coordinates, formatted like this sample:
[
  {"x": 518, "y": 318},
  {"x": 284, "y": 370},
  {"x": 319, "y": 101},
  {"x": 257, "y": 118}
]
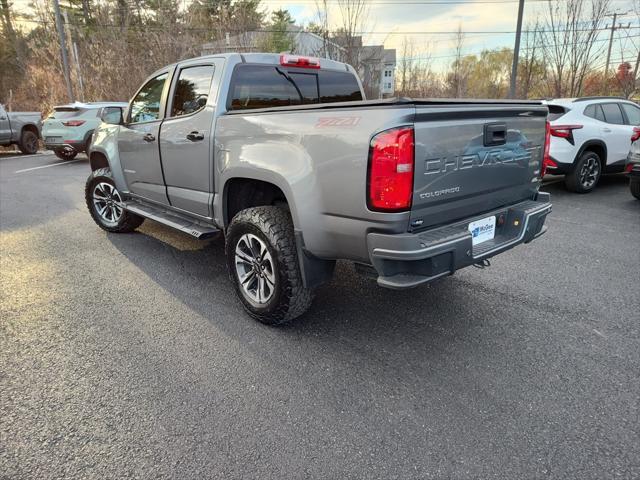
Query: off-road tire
[
  {"x": 66, "y": 154},
  {"x": 127, "y": 222},
  {"x": 572, "y": 179},
  {"x": 28, "y": 142},
  {"x": 634, "y": 186},
  {"x": 273, "y": 225}
]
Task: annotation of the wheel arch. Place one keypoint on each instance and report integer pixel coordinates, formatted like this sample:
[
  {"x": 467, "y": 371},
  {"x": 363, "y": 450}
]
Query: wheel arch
[
  {"x": 98, "y": 160},
  {"x": 30, "y": 127},
  {"x": 245, "y": 192},
  {"x": 596, "y": 146}
]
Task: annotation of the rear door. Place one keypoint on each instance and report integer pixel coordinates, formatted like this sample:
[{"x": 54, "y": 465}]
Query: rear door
[
  {"x": 473, "y": 158},
  {"x": 185, "y": 138},
  {"x": 138, "y": 140},
  {"x": 616, "y": 134}
]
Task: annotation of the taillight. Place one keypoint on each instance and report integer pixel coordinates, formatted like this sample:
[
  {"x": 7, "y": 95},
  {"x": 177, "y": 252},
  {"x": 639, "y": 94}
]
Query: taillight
[
  {"x": 391, "y": 159},
  {"x": 636, "y": 134},
  {"x": 628, "y": 168},
  {"x": 73, "y": 123},
  {"x": 298, "y": 61},
  {"x": 565, "y": 131},
  {"x": 546, "y": 158}
]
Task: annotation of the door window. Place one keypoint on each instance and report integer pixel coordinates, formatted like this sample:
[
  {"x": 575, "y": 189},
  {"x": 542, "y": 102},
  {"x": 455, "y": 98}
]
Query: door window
[
  {"x": 145, "y": 106},
  {"x": 612, "y": 113},
  {"x": 192, "y": 90},
  {"x": 632, "y": 112}
]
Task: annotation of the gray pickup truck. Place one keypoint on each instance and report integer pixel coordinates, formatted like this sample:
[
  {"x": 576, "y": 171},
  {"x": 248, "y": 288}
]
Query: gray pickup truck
[
  {"x": 21, "y": 129},
  {"x": 283, "y": 155}
]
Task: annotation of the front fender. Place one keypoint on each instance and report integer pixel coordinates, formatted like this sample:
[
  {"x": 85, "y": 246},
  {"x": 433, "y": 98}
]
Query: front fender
[{"x": 105, "y": 141}]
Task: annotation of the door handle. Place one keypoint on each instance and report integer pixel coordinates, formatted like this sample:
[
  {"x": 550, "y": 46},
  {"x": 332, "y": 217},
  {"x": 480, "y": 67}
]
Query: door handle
[
  {"x": 606, "y": 130},
  {"x": 149, "y": 138},
  {"x": 195, "y": 136}
]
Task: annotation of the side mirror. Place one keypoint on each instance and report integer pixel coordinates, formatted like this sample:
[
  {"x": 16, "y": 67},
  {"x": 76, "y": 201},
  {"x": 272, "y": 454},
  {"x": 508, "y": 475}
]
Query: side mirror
[{"x": 113, "y": 115}]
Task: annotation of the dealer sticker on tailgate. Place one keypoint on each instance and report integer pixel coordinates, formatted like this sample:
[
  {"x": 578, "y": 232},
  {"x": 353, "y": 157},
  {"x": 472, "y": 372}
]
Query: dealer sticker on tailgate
[{"x": 482, "y": 230}]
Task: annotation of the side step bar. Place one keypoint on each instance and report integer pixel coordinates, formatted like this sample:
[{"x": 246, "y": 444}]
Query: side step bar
[{"x": 195, "y": 229}]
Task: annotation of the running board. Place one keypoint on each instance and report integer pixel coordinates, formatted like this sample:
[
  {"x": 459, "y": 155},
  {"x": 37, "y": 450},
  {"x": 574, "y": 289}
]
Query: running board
[{"x": 173, "y": 220}]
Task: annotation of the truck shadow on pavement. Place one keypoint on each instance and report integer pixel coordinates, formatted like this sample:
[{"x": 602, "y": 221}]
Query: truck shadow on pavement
[{"x": 350, "y": 314}]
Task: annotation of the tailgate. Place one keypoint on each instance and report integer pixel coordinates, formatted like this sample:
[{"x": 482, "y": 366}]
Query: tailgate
[{"x": 471, "y": 159}]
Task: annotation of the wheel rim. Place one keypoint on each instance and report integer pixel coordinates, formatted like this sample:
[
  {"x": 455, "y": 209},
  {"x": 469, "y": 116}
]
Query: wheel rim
[
  {"x": 107, "y": 202},
  {"x": 32, "y": 143},
  {"x": 254, "y": 268},
  {"x": 589, "y": 172}
]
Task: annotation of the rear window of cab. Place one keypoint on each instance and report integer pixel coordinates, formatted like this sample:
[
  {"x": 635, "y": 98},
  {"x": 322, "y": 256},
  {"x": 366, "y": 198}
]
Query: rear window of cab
[{"x": 264, "y": 86}]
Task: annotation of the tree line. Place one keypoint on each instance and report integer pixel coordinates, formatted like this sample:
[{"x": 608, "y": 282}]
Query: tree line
[{"x": 113, "y": 45}]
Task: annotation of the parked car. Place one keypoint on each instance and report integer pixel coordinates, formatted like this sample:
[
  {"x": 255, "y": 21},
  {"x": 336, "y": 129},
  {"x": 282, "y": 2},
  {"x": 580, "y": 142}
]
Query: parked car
[
  {"x": 589, "y": 137},
  {"x": 67, "y": 130},
  {"x": 633, "y": 164},
  {"x": 254, "y": 146},
  {"x": 21, "y": 129}
]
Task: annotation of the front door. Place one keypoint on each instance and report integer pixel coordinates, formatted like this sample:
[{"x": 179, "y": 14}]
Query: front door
[
  {"x": 138, "y": 141},
  {"x": 185, "y": 137}
]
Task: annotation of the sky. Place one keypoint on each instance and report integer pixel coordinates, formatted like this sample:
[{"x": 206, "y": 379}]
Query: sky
[{"x": 392, "y": 21}]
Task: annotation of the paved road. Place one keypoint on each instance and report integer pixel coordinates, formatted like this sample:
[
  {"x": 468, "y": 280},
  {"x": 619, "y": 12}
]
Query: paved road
[{"x": 129, "y": 356}]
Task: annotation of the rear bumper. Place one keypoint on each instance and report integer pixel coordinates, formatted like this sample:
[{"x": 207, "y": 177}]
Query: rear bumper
[
  {"x": 78, "y": 146},
  {"x": 411, "y": 259}
]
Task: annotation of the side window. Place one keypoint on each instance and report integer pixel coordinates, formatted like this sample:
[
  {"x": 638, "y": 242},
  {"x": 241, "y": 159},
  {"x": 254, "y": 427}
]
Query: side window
[
  {"x": 192, "y": 90},
  {"x": 590, "y": 111},
  {"x": 111, "y": 115},
  {"x": 257, "y": 86},
  {"x": 595, "y": 111},
  {"x": 338, "y": 87},
  {"x": 612, "y": 113},
  {"x": 146, "y": 104},
  {"x": 632, "y": 112}
]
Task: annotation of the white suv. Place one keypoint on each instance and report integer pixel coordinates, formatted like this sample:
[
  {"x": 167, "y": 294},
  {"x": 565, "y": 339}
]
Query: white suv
[{"x": 588, "y": 137}]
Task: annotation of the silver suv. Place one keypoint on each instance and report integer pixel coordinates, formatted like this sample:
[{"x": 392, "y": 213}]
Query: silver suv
[{"x": 67, "y": 130}]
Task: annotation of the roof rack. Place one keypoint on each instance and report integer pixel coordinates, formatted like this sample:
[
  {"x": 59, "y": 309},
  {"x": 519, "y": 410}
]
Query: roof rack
[{"x": 585, "y": 99}]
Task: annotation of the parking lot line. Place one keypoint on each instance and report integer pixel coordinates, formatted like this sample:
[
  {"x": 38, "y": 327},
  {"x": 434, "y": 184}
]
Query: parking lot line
[{"x": 46, "y": 166}]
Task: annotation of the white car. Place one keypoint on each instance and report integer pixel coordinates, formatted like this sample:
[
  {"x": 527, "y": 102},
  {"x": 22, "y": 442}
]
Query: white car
[{"x": 589, "y": 136}]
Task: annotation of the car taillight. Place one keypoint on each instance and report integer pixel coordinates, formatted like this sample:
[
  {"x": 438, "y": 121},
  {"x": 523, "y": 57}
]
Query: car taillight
[
  {"x": 636, "y": 134},
  {"x": 546, "y": 158},
  {"x": 73, "y": 123},
  {"x": 628, "y": 168},
  {"x": 565, "y": 131},
  {"x": 298, "y": 61},
  {"x": 391, "y": 159}
]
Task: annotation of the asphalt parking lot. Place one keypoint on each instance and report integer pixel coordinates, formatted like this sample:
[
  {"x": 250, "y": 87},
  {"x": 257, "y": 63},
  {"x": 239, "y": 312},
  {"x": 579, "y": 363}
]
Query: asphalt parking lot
[{"x": 128, "y": 356}]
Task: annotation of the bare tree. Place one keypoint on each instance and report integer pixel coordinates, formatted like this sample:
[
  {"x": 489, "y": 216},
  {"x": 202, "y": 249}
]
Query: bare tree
[
  {"x": 458, "y": 45},
  {"x": 353, "y": 20},
  {"x": 531, "y": 65},
  {"x": 569, "y": 42}
]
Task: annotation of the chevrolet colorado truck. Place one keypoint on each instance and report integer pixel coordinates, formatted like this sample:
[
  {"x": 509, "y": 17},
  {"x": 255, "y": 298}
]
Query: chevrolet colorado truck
[
  {"x": 21, "y": 129},
  {"x": 282, "y": 154}
]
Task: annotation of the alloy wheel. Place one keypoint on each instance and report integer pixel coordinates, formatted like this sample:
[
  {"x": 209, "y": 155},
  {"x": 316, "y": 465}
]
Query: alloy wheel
[
  {"x": 254, "y": 268},
  {"x": 589, "y": 173},
  {"x": 107, "y": 202}
]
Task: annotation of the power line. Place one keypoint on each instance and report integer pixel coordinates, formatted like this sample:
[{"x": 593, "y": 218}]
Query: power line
[{"x": 363, "y": 32}]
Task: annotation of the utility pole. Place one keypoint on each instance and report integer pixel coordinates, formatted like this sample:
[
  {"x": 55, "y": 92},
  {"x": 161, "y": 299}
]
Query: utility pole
[
  {"x": 613, "y": 30},
  {"x": 516, "y": 52},
  {"x": 63, "y": 50},
  {"x": 71, "y": 44}
]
